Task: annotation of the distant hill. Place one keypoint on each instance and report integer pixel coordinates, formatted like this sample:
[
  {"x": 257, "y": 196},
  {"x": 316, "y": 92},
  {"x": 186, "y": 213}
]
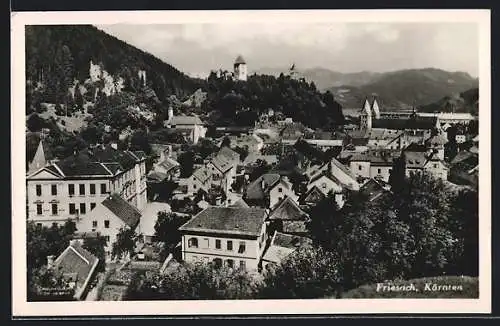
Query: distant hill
[
  {"x": 325, "y": 78},
  {"x": 395, "y": 90},
  {"x": 405, "y": 88},
  {"x": 461, "y": 102}
]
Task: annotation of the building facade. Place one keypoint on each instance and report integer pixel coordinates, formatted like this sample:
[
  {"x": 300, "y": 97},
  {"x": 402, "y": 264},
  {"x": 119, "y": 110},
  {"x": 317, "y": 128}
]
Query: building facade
[
  {"x": 230, "y": 236},
  {"x": 71, "y": 188}
]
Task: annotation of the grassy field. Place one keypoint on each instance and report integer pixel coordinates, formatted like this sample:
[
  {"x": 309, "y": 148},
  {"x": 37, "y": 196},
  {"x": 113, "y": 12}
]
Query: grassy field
[{"x": 448, "y": 287}]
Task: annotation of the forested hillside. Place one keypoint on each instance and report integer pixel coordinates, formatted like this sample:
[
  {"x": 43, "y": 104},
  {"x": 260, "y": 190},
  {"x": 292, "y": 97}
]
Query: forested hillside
[
  {"x": 239, "y": 103},
  {"x": 58, "y": 57},
  {"x": 461, "y": 102}
]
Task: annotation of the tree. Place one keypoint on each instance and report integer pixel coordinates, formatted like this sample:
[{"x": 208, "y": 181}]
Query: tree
[
  {"x": 186, "y": 161},
  {"x": 43, "y": 241},
  {"x": 125, "y": 243},
  {"x": 309, "y": 272},
  {"x": 140, "y": 142},
  {"x": 464, "y": 222},
  {"x": 243, "y": 151},
  {"x": 226, "y": 142},
  {"x": 349, "y": 234},
  {"x": 195, "y": 281},
  {"x": 167, "y": 229},
  {"x": 96, "y": 246}
]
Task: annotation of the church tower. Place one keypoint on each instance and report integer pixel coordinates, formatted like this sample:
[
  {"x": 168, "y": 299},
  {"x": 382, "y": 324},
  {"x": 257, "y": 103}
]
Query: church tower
[
  {"x": 376, "y": 109},
  {"x": 240, "y": 69},
  {"x": 366, "y": 116}
]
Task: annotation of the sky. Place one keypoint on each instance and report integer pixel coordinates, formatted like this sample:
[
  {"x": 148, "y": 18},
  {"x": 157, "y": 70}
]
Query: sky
[{"x": 196, "y": 49}]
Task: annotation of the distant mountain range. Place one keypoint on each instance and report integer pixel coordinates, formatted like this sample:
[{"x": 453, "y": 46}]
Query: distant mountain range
[{"x": 395, "y": 90}]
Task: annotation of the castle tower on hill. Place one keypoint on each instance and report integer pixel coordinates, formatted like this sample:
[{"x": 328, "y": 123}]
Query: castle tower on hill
[{"x": 240, "y": 69}]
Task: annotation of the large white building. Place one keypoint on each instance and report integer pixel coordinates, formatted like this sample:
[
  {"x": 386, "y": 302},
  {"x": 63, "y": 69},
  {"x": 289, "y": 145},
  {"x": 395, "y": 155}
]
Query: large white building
[
  {"x": 70, "y": 188},
  {"x": 231, "y": 236}
]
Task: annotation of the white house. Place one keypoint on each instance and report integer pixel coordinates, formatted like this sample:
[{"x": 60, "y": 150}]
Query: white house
[
  {"x": 192, "y": 124},
  {"x": 269, "y": 189},
  {"x": 108, "y": 217},
  {"x": 70, "y": 188},
  {"x": 233, "y": 236}
]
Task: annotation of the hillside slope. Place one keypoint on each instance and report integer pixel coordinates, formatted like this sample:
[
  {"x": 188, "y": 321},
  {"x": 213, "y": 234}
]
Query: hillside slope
[
  {"x": 461, "y": 102},
  {"x": 57, "y": 56},
  {"x": 405, "y": 88}
]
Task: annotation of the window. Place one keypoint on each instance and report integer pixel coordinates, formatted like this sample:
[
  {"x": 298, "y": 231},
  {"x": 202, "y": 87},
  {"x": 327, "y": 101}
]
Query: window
[
  {"x": 194, "y": 185},
  {"x": 106, "y": 238},
  {"x": 280, "y": 189},
  {"x": 54, "y": 209},
  {"x": 92, "y": 189},
  {"x": 103, "y": 188},
  {"x": 39, "y": 225},
  {"x": 106, "y": 224},
  {"x": 82, "y": 189},
  {"x": 229, "y": 245},
  {"x": 206, "y": 243},
  {"x": 230, "y": 263},
  {"x": 193, "y": 243},
  {"x": 323, "y": 185},
  {"x": 359, "y": 167},
  {"x": 83, "y": 208},
  {"x": 435, "y": 165},
  {"x": 218, "y": 262},
  {"x": 94, "y": 224},
  {"x": 379, "y": 171},
  {"x": 38, "y": 190},
  {"x": 217, "y": 244},
  {"x": 243, "y": 264},
  {"x": 53, "y": 190},
  {"x": 92, "y": 206},
  {"x": 71, "y": 189},
  {"x": 242, "y": 247},
  {"x": 39, "y": 209},
  {"x": 72, "y": 209}
]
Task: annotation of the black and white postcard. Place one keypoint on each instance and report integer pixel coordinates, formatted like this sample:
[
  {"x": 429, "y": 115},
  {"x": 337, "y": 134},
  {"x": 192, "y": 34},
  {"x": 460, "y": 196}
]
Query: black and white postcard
[{"x": 251, "y": 162}]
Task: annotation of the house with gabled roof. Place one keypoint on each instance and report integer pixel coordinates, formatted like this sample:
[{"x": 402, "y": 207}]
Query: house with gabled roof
[
  {"x": 108, "y": 217},
  {"x": 374, "y": 189},
  {"x": 281, "y": 246},
  {"x": 77, "y": 266},
  {"x": 313, "y": 196},
  {"x": 192, "y": 124},
  {"x": 419, "y": 162},
  {"x": 231, "y": 236},
  {"x": 288, "y": 217},
  {"x": 268, "y": 189},
  {"x": 72, "y": 187}
]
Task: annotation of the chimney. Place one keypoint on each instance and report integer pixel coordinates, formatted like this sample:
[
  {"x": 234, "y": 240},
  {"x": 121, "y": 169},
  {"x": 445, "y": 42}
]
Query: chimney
[{"x": 50, "y": 261}]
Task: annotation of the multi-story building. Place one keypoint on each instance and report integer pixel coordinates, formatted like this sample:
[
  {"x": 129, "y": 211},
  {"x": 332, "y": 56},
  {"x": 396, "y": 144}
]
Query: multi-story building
[
  {"x": 72, "y": 187},
  {"x": 230, "y": 236}
]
